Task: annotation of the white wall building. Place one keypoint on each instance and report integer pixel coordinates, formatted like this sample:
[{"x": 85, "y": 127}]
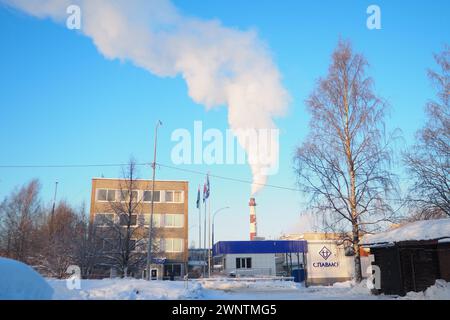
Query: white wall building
[
  {"x": 326, "y": 260},
  {"x": 248, "y": 264}
]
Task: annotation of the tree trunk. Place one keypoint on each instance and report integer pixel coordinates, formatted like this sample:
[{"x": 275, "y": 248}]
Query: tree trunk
[{"x": 357, "y": 257}]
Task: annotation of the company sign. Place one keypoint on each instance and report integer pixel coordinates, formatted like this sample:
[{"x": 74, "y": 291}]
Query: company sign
[
  {"x": 325, "y": 253},
  {"x": 327, "y": 260}
]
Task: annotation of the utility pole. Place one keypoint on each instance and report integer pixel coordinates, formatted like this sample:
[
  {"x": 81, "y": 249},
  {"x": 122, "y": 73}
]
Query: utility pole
[{"x": 150, "y": 227}]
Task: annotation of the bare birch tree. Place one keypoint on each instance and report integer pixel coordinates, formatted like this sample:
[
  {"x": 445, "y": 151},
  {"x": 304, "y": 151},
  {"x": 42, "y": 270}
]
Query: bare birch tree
[
  {"x": 429, "y": 159},
  {"x": 343, "y": 164},
  {"x": 125, "y": 236}
]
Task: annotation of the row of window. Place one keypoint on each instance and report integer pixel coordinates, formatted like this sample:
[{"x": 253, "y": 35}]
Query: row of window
[
  {"x": 159, "y": 220},
  {"x": 243, "y": 263},
  {"x": 168, "y": 245},
  {"x": 112, "y": 195}
]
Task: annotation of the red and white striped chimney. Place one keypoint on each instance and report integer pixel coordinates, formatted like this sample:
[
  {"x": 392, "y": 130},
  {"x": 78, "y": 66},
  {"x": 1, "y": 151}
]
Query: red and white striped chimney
[{"x": 253, "y": 229}]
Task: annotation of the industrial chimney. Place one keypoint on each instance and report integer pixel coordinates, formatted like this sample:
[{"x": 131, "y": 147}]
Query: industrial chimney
[{"x": 252, "y": 205}]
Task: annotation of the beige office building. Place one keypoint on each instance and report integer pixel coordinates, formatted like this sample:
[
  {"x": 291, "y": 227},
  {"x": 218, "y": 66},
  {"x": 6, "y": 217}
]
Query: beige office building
[{"x": 170, "y": 218}]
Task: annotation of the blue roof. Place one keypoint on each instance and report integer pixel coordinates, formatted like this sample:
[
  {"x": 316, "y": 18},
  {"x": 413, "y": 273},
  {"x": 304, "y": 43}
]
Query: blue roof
[{"x": 264, "y": 246}]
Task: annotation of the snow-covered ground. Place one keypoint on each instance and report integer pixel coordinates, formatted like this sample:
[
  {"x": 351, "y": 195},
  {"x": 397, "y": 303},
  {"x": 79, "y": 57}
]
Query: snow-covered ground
[
  {"x": 19, "y": 281},
  {"x": 226, "y": 290}
]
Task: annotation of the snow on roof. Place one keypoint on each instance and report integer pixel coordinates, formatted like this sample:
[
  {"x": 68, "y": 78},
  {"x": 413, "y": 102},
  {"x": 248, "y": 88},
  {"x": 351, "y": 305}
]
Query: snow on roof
[{"x": 414, "y": 231}]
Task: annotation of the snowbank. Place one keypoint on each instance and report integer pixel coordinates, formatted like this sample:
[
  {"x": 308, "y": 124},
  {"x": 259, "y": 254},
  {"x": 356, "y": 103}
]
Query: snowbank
[
  {"x": 19, "y": 281},
  {"x": 418, "y": 230},
  {"x": 224, "y": 289},
  {"x": 126, "y": 289},
  {"x": 233, "y": 285},
  {"x": 439, "y": 291}
]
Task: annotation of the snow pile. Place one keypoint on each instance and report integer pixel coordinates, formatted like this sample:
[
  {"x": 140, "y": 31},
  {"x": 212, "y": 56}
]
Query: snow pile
[
  {"x": 233, "y": 285},
  {"x": 19, "y": 281},
  {"x": 344, "y": 284},
  {"x": 224, "y": 289},
  {"x": 349, "y": 287},
  {"x": 418, "y": 230},
  {"x": 439, "y": 291},
  {"x": 359, "y": 289},
  {"x": 127, "y": 289}
]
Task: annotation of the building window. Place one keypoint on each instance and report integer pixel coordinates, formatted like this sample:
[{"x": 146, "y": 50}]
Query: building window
[
  {"x": 140, "y": 245},
  {"x": 243, "y": 263},
  {"x": 124, "y": 195},
  {"x": 174, "y": 196},
  {"x": 124, "y": 219},
  {"x": 147, "y": 197},
  {"x": 104, "y": 219},
  {"x": 172, "y": 270},
  {"x": 106, "y": 195},
  {"x": 156, "y": 220},
  {"x": 173, "y": 220},
  {"x": 158, "y": 245},
  {"x": 173, "y": 245},
  {"x": 132, "y": 244},
  {"x": 108, "y": 245}
]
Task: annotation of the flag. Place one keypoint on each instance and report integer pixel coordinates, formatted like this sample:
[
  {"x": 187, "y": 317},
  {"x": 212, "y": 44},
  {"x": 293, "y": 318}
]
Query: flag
[
  {"x": 204, "y": 192},
  {"x": 206, "y": 189},
  {"x": 198, "y": 197}
]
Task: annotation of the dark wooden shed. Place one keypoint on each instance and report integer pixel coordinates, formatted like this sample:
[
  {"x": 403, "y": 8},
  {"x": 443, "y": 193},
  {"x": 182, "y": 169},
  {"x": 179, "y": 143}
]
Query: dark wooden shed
[{"x": 412, "y": 257}]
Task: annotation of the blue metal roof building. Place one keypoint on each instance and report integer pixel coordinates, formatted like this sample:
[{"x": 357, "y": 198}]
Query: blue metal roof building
[{"x": 263, "y": 246}]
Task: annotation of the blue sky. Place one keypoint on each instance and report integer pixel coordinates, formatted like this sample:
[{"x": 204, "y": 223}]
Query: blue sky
[{"x": 62, "y": 102}]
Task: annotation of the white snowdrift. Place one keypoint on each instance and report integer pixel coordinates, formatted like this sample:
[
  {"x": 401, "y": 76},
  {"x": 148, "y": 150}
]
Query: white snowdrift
[
  {"x": 126, "y": 289},
  {"x": 232, "y": 285},
  {"x": 418, "y": 230},
  {"x": 439, "y": 291},
  {"x": 19, "y": 281},
  {"x": 224, "y": 289}
]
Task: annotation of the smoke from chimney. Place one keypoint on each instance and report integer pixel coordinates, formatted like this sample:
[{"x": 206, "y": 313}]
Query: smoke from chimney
[
  {"x": 221, "y": 66},
  {"x": 253, "y": 226}
]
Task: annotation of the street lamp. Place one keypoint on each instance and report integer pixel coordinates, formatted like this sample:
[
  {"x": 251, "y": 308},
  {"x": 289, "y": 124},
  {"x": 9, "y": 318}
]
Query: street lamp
[
  {"x": 150, "y": 227},
  {"x": 214, "y": 215},
  {"x": 209, "y": 256}
]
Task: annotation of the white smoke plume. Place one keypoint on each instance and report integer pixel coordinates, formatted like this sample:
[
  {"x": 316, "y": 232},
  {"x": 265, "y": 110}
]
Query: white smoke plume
[{"x": 221, "y": 66}]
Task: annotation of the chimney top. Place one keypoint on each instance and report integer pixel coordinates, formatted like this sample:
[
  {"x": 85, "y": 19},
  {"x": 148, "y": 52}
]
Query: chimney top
[{"x": 252, "y": 202}]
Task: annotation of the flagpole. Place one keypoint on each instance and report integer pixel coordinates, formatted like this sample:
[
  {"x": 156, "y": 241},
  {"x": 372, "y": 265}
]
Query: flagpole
[
  {"x": 204, "y": 240},
  {"x": 209, "y": 235},
  {"x": 199, "y": 219}
]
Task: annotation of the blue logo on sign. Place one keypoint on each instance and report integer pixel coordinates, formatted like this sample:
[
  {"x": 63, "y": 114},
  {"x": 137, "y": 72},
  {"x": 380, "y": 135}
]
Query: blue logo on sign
[{"x": 325, "y": 253}]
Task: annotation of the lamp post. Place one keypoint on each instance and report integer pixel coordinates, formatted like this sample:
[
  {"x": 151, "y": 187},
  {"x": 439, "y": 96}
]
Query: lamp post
[
  {"x": 214, "y": 215},
  {"x": 150, "y": 227}
]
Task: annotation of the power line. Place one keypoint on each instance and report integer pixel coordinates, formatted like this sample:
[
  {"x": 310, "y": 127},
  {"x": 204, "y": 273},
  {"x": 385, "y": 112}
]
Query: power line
[
  {"x": 68, "y": 165},
  {"x": 144, "y": 164},
  {"x": 229, "y": 178},
  {"x": 169, "y": 167}
]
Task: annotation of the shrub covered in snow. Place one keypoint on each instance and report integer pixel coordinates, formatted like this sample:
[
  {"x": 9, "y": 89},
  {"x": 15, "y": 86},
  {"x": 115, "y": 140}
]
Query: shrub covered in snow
[{"x": 19, "y": 281}]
